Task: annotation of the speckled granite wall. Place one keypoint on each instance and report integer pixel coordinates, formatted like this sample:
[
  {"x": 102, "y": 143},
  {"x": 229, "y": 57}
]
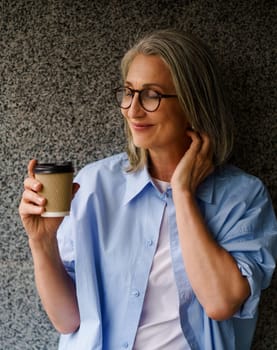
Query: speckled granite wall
[{"x": 59, "y": 60}]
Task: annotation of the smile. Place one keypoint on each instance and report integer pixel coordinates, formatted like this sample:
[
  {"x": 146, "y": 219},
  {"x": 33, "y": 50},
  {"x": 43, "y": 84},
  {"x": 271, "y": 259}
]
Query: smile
[{"x": 140, "y": 126}]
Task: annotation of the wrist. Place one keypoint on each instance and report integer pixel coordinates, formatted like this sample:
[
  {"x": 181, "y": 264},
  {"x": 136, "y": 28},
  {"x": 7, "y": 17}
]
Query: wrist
[
  {"x": 185, "y": 202},
  {"x": 44, "y": 244},
  {"x": 183, "y": 193}
]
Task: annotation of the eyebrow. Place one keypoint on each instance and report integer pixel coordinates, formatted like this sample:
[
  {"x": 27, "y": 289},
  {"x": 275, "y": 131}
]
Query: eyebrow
[{"x": 147, "y": 85}]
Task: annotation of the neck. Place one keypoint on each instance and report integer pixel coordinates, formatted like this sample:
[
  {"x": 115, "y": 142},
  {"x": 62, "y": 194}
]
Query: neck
[{"x": 162, "y": 166}]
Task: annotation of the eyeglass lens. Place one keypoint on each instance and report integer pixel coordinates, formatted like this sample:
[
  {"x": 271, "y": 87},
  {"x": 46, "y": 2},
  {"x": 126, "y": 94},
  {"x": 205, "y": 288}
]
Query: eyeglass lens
[{"x": 148, "y": 98}]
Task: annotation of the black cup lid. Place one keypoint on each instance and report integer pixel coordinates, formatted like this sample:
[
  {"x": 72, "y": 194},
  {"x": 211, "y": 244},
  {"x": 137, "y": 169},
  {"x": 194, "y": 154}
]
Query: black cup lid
[{"x": 49, "y": 168}]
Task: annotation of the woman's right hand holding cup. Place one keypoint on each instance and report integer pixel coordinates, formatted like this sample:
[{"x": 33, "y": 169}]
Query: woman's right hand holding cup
[{"x": 31, "y": 207}]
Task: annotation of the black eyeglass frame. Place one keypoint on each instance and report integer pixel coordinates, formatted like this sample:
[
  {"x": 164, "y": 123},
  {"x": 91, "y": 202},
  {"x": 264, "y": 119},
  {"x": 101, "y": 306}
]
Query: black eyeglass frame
[{"x": 133, "y": 91}]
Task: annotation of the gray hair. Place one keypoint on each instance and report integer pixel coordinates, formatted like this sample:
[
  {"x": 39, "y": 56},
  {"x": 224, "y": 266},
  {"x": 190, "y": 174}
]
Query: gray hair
[{"x": 198, "y": 87}]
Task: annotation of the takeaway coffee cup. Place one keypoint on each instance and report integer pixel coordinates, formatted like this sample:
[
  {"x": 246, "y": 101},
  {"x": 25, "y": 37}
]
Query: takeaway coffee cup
[{"x": 56, "y": 179}]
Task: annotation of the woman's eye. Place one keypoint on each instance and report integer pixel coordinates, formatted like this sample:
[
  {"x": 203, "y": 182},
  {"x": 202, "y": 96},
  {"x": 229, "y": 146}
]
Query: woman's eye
[
  {"x": 151, "y": 94},
  {"x": 128, "y": 92}
]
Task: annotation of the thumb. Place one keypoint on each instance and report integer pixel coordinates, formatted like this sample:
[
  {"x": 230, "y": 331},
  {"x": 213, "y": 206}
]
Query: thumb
[{"x": 31, "y": 166}]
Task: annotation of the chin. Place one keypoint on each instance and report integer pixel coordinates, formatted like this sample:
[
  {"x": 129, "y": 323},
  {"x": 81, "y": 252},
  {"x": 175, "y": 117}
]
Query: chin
[{"x": 141, "y": 144}]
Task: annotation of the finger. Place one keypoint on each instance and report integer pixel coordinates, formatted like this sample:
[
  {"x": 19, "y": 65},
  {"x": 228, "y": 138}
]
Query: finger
[
  {"x": 206, "y": 147},
  {"x": 204, "y": 164},
  {"x": 32, "y": 184},
  {"x": 26, "y": 209},
  {"x": 196, "y": 140},
  {"x": 30, "y": 196},
  {"x": 31, "y": 166},
  {"x": 31, "y": 204}
]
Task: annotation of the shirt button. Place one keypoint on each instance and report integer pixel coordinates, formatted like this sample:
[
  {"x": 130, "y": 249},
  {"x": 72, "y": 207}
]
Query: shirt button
[
  {"x": 135, "y": 293},
  {"x": 125, "y": 345},
  {"x": 150, "y": 242}
]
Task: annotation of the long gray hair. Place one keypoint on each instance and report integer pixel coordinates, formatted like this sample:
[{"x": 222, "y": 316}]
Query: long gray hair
[{"x": 198, "y": 87}]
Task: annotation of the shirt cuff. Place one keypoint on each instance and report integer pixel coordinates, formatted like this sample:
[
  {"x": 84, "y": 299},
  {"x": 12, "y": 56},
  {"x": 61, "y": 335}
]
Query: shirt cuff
[{"x": 250, "y": 306}]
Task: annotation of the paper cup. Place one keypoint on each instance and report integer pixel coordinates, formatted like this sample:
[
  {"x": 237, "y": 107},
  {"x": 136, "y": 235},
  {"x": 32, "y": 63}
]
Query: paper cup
[{"x": 56, "y": 180}]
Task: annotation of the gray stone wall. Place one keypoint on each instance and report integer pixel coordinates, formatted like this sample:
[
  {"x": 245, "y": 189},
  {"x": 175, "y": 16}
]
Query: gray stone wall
[{"x": 59, "y": 60}]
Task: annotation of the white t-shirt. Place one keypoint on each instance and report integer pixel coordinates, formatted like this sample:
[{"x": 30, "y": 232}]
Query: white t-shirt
[{"x": 159, "y": 327}]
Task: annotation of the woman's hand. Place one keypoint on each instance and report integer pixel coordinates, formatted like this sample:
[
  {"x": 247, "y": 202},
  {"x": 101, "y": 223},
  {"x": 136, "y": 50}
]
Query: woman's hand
[
  {"x": 32, "y": 205},
  {"x": 196, "y": 164},
  {"x": 52, "y": 280}
]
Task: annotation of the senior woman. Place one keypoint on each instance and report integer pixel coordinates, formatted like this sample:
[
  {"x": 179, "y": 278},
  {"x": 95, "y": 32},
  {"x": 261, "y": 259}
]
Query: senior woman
[{"x": 166, "y": 246}]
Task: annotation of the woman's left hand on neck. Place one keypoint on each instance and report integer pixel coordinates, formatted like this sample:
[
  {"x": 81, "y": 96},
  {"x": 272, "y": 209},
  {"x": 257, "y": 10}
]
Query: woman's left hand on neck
[{"x": 195, "y": 165}]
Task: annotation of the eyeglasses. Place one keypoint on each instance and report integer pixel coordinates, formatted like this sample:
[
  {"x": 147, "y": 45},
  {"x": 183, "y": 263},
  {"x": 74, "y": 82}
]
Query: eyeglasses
[{"x": 149, "y": 99}]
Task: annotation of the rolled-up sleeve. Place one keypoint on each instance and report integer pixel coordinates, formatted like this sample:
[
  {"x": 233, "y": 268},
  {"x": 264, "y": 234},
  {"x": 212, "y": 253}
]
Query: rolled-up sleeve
[
  {"x": 252, "y": 241},
  {"x": 258, "y": 269}
]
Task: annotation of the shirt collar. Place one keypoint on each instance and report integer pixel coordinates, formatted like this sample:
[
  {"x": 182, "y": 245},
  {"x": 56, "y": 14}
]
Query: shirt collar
[{"x": 137, "y": 181}]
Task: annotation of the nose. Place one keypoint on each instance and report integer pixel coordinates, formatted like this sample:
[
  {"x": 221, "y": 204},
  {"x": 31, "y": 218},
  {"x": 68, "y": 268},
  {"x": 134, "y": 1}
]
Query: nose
[{"x": 135, "y": 110}]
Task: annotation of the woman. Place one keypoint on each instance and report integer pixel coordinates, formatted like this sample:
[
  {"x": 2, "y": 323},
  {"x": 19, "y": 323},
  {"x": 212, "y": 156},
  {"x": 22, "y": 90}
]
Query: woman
[{"x": 167, "y": 246}]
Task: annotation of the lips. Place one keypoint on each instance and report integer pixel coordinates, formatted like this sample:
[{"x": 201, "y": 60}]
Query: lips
[{"x": 140, "y": 126}]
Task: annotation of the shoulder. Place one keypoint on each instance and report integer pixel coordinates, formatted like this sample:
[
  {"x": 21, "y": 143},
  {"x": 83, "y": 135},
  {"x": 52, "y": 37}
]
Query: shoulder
[
  {"x": 240, "y": 204},
  {"x": 115, "y": 165},
  {"x": 230, "y": 175},
  {"x": 231, "y": 182},
  {"x": 105, "y": 176}
]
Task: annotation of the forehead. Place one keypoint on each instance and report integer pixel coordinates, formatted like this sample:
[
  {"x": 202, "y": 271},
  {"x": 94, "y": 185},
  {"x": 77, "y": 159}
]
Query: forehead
[{"x": 145, "y": 70}]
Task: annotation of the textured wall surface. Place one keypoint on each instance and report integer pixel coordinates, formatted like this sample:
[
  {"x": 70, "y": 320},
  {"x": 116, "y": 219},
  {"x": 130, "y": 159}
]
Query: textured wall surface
[{"x": 59, "y": 60}]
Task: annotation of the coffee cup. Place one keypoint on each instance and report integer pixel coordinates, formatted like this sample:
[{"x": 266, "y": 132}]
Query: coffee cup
[{"x": 56, "y": 180}]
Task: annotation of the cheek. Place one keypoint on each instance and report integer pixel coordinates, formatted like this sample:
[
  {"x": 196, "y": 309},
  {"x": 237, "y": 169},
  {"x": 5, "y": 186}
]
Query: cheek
[
  {"x": 177, "y": 119},
  {"x": 177, "y": 126},
  {"x": 181, "y": 120}
]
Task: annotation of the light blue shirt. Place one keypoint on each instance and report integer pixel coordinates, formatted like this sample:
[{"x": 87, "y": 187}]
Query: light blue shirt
[{"x": 108, "y": 243}]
